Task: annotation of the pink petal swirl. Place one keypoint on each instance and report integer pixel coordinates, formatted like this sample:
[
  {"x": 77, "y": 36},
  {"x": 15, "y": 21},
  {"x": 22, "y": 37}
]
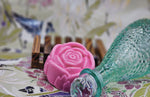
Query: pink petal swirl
[{"x": 65, "y": 63}]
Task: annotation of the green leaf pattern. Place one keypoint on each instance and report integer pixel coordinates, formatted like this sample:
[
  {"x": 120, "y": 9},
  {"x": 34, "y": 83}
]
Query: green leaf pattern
[
  {"x": 13, "y": 55},
  {"x": 91, "y": 9},
  {"x": 5, "y": 95},
  {"x": 100, "y": 30},
  {"x": 143, "y": 92},
  {"x": 5, "y": 39}
]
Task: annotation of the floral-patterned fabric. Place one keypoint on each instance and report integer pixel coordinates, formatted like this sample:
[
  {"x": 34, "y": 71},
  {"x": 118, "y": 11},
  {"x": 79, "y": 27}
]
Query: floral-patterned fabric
[
  {"x": 102, "y": 19},
  {"x": 20, "y": 80}
]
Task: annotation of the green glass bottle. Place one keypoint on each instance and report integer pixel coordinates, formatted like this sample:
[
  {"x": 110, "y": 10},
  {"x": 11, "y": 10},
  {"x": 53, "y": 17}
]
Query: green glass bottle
[{"x": 127, "y": 58}]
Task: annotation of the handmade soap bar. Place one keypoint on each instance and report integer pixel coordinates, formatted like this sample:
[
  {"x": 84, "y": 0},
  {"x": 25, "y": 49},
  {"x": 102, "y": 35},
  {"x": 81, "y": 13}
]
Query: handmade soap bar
[{"x": 65, "y": 62}]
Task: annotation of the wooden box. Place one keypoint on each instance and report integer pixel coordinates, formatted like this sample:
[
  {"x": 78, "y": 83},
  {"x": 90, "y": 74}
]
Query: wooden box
[{"x": 41, "y": 51}]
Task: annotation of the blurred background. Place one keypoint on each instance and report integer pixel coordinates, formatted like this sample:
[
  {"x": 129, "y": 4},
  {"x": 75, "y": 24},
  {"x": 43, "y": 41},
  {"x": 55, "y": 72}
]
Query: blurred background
[{"x": 21, "y": 20}]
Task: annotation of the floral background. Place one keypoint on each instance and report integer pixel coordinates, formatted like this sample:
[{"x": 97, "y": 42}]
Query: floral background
[{"x": 97, "y": 19}]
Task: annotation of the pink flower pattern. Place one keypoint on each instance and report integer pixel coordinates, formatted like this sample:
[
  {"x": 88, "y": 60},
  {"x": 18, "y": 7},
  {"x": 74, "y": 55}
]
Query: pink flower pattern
[
  {"x": 131, "y": 84},
  {"x": 44, "y": 3},
  {"x": 25, "y": 64},
  {"x": 41, "y": 79},
  {"x": 118, "y": 94}
]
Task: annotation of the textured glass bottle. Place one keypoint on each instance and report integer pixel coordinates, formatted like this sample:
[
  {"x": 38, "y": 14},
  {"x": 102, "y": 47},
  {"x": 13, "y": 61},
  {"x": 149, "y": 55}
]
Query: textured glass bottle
[{"x": 127, "y": 58}]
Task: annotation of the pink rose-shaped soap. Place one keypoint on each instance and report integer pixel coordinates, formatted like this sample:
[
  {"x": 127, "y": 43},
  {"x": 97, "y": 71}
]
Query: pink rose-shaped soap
[{"x": 65, "y": 63}]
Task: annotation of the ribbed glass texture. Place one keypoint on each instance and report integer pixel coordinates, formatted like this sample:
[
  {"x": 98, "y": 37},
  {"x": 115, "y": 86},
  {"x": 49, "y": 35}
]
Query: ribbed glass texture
[
  {"x": 129, "y": 55},
  {"x": 127, "y": 58}
]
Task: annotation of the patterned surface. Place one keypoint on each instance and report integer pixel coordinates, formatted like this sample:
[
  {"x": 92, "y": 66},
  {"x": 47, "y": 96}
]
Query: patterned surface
[
  {"x": 21, "y": 81},
  {"x": 128, "y": 56}
]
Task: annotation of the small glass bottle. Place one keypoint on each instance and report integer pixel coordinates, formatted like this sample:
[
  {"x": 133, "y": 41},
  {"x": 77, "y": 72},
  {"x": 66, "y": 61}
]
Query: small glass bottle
[{"x": 127, "y": 58}]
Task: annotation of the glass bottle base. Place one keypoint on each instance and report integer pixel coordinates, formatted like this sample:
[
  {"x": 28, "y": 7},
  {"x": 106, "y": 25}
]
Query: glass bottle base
[{"x": 87, "y": 85}]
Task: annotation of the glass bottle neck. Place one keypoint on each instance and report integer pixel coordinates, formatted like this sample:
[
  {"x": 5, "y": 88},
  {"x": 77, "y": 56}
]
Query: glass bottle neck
[{"x": 97, "y": 78}]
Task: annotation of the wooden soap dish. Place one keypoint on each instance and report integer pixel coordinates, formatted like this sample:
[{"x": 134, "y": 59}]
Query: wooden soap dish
[{"x": 41, "y": 51}]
